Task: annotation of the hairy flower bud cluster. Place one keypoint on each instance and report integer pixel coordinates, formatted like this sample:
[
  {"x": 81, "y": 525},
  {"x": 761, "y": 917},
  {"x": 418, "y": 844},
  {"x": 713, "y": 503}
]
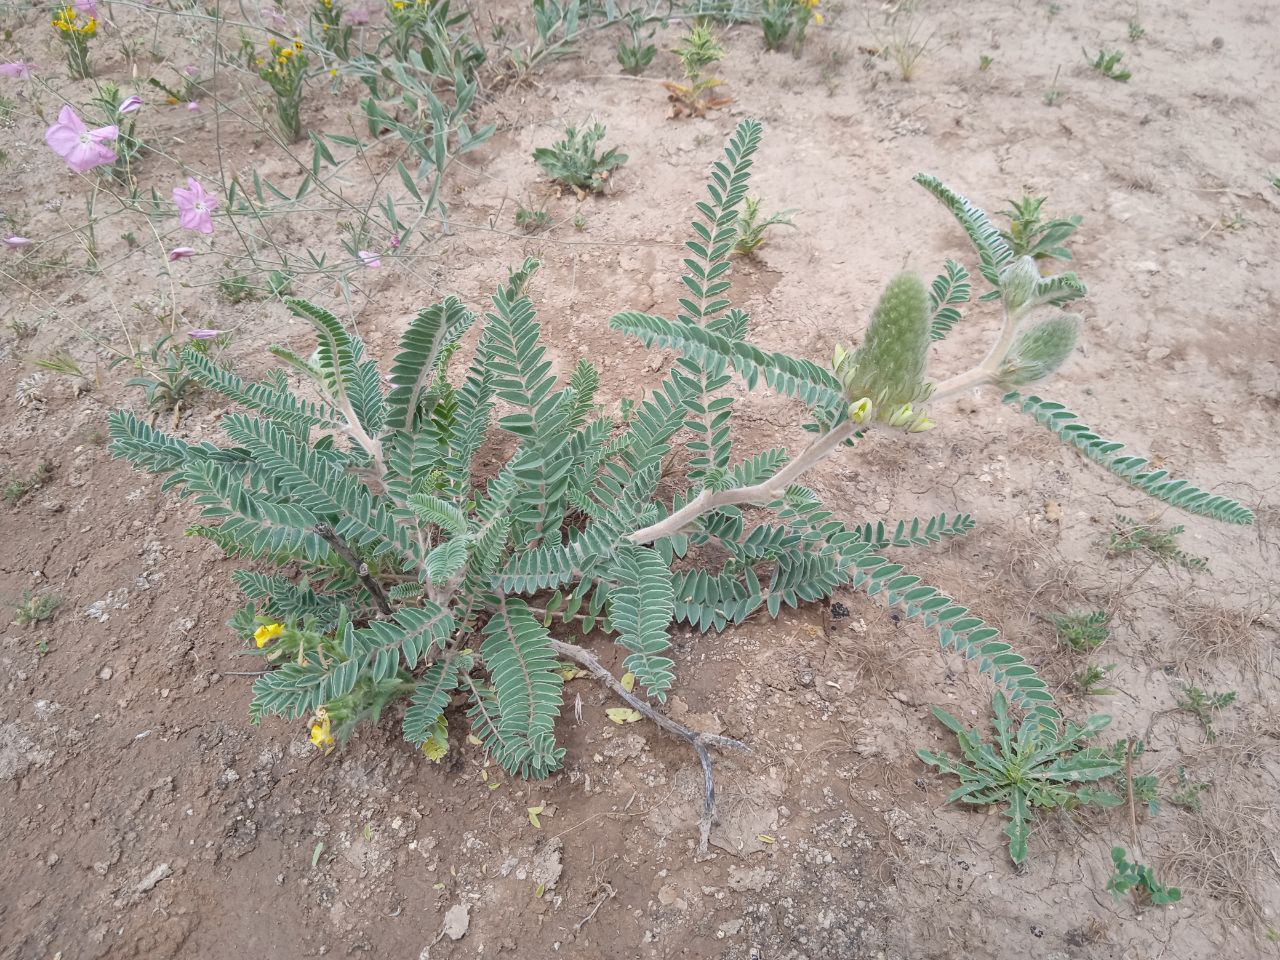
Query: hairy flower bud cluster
[{"x": 885, "y": 377}]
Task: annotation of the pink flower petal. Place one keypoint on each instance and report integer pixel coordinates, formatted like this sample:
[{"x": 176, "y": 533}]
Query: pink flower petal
[
  {"x": 181, "y": 253},
  {"x": 131, "y": 104},
  {"x": 86, "y": 6},
  {"x": 204, "y": 334},
  {"x": 370, "y": 259},
  {"x": 19, "y": 71},
  {"x": 16, "y": 243},
  {"x": 105, "y": 133},
  {"x": 193, "y": 106}
]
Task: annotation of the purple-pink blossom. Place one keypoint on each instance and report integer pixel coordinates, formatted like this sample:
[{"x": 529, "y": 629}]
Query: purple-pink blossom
[
  {"x": 395, "y": 241},
  {"x": 204, "y": 334},
  {"x": 193, "y": 106},
  {"x": 181, "y": 253},
  {"x": 370, "y": 258},
  {"x": 19, "y": 71},
  {"x": 82, "y": 148},
  {"x": 195, "y": 206},
  {"x": 16, "y": 243},
  {"x": 86, "y": 6},
  {"x": 131, "y": 104}
]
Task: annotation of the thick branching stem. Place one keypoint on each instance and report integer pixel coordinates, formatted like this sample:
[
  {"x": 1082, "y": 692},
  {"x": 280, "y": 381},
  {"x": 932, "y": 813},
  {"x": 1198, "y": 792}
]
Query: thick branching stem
[
  {"x": 761, "y": 493},
  {"x": 699, "y": 741},
  {"x": 342, "y": 549}
]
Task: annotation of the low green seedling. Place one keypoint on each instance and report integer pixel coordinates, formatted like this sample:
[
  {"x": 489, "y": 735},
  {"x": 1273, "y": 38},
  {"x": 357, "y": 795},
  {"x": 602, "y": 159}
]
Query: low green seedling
[
  {"x": 1142, "y": 880},
  {"x": 532, "y": 221},
  {"x": 1107, "y": 63},
  {"x": 573, "y": 161},
  {"x": 635, "y": 52},
  {"x": 1082, "y": 632},
  {"x": 36, "y": 608},
  {"x": 1159, "y": 543},
  {"x": 1136, "y": 31},
  {"x": 1089, "y": 681},
  {"x": 1040, "y": 765},
  {"x": 1204, "y": 705},
  {"x": 16, "y": 488},
  {"x": 984, "y": 62},
  {"x": 1030, "y": 236},
  {"x": 752, "y": 225},
  {"x": 1187, "y": 794}
]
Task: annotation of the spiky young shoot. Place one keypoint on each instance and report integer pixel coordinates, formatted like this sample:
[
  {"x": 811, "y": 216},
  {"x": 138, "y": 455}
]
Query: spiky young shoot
[{"x": 413, "y": 575}]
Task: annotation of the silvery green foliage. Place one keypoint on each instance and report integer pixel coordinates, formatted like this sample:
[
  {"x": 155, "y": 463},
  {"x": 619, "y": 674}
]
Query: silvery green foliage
[
  {"x": 1037, "y": 765},
  {"x": 412, "y": 576}
]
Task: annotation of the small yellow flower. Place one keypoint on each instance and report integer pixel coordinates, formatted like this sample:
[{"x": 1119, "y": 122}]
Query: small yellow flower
[
  {"x": 333, "y": 71},
  {"x": 321, "y": 735},
  {"x": 266, "y": 633},
  {"x": 271, "y": 41},
  {"x": 297, "y": 44},
  {"x": 858, "y": 412},
  {"x": 817, "y": 18}
]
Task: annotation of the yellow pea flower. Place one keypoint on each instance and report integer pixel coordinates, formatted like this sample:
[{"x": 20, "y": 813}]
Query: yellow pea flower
[
  {"x": 266, "y": 633},
  {"x": 321, "y": 736}
]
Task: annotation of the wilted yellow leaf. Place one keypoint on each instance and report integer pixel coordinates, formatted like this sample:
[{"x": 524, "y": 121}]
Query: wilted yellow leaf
[
  {"x": 628, "y": 681},
  {"x": 765, "y": 838},
  {"x": 568, "y": 673},
  {"x": 623, "y": 715},
  {"x": 474, "y": 740},
  {"x": 533, "y": 815},
  {"x": 436, "y": 746}
]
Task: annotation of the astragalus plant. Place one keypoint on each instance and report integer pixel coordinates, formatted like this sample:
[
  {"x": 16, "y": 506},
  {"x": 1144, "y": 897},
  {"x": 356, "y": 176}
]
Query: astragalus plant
[{"x": 414, "y": 577}]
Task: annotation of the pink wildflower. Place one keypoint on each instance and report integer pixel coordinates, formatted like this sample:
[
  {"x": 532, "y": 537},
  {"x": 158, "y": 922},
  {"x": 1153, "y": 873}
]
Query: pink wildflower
[
  {"x": 16, "y": 243},
  {"x": 86, "y": 6},
  {"x": 181, "y": 253},
  {"x": 370, "y": 259},
  {"x": 131, "y": 105},
  {"x": 19, "y": 71},
  {"x": 193, "y": 106},
  {"x": 75, "y": 143},
  {"x": 395, "y": 241},
  {"x": 203, "y": 334},
  {"x": 195, "y": 206}
]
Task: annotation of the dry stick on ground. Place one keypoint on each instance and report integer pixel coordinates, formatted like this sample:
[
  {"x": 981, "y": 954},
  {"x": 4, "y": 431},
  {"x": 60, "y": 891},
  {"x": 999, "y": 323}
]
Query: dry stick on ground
[
  {"x": 699, "y": 741},
  {"x": 327, "y": 534}
]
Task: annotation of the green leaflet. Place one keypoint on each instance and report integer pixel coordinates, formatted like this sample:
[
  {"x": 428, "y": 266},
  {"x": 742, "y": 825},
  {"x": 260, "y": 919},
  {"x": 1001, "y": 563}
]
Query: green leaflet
[
  {"x": 641, "y": 605},
  {"x": 949, "y": 289},
  {"x": 431, "y": 696},
  {"x": 802, "y": 379},
  {"x": 517, "y": 723},
  {"x": 1066, "y": 426},
  {"x": 415, "y": 365}
]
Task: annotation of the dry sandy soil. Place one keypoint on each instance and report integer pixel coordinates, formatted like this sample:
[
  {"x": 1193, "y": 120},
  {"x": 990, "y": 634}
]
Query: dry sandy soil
[{"x": 141, "y": 815}]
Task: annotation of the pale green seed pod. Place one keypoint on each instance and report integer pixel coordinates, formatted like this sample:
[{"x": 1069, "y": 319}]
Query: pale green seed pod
[
  {"x": 1040, "y": 350},
  {"x": 892, "y": 360},
  {"x": 1018, "y": 283}
]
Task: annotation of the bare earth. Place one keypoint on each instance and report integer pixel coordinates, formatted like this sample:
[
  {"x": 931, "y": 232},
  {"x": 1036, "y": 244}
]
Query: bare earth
[{"x": 141, "y": 815}]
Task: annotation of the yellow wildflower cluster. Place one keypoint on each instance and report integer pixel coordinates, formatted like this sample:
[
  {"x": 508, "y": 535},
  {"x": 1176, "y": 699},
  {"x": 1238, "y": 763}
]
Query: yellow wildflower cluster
[
  {"x": 65, "y": 21},
  {"x": 266, "y": 633},
  {"x": 813, "y": 6},
  {"x": 286, "y": 61},
  {"x": 321, "y": 734}
]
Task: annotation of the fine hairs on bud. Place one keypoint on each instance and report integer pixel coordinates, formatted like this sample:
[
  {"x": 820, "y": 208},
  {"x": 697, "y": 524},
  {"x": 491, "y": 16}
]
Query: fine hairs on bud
[
  {"x": 1040, "y": 350},
  {"x": 1018, "y": 283},
  {"x": 891, "y": 362}
]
